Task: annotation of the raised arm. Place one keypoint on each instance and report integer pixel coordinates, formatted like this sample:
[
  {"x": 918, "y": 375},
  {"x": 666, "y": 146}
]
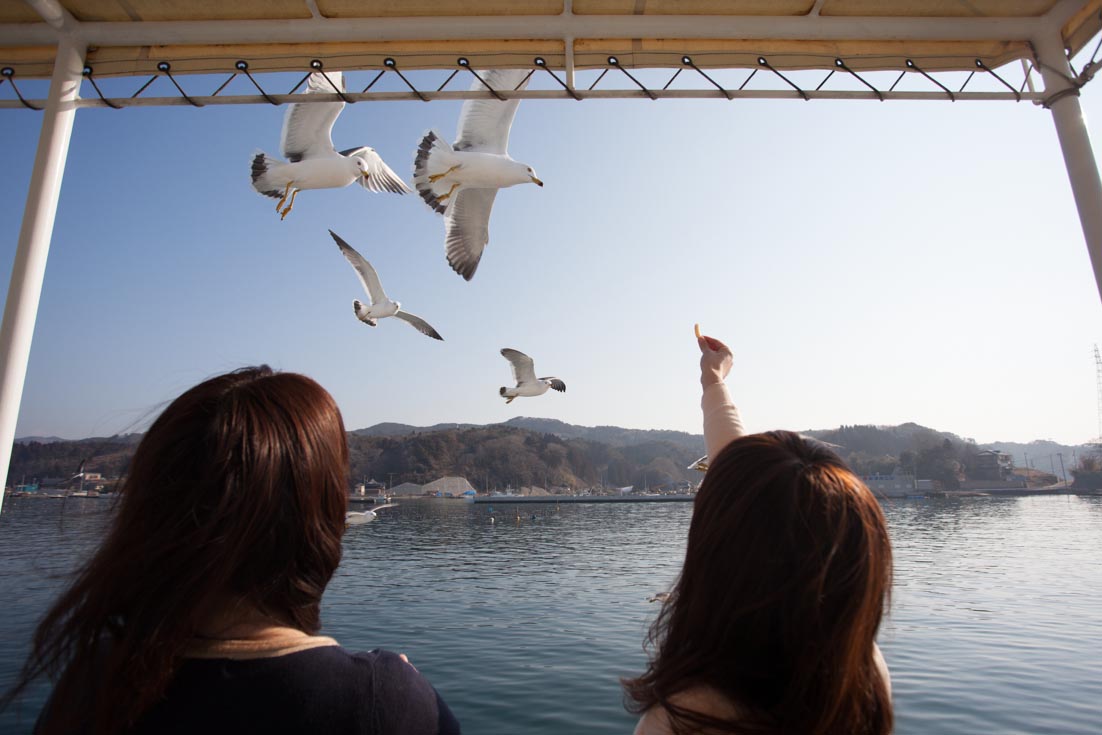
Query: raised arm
[{"x": 721, "y": 419}]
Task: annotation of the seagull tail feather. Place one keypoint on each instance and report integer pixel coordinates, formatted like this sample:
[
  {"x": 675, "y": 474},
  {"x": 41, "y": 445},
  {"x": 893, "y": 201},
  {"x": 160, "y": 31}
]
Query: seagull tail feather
[
  {"x": 261, "y": 175},
  {"x": 361, "y": 313},
  {"x": 433, "y": 154}
]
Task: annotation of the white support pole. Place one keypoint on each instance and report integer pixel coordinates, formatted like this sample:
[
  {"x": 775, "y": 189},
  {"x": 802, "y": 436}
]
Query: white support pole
[
  {"x": 29, "y": 269},
  {"x": 1071, "y": 129}
]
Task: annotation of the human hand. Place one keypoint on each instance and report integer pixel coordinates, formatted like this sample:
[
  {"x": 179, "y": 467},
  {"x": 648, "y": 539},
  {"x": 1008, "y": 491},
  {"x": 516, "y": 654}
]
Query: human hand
[
  {"x": 715, "y": 360},
  {"x": 406, "y": 659}
]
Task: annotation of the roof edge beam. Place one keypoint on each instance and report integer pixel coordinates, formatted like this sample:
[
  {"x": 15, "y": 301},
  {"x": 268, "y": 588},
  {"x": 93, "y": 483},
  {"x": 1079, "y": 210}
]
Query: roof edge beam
[
  {"x": 55, "y": 15},
  {"x": 811, "y": 28},
  {"x": 1061, "y": 13}
]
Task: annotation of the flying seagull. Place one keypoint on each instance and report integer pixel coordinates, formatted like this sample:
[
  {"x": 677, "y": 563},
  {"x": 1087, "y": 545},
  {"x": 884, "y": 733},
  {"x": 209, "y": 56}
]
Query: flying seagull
[
  {"x": 312, "y": 162},
  {"x": 524, "y": 372},
  {"x": 358, "y": 518},
  {"x": 461, "y": 180},
  {"x": 381, "y": 306}
]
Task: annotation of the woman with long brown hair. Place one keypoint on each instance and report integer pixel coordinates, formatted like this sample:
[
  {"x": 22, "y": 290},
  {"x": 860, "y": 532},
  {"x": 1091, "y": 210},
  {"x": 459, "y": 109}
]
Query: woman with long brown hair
[
  {"x": 771, "y": 626},
  {"x": 199, "y": 612}
]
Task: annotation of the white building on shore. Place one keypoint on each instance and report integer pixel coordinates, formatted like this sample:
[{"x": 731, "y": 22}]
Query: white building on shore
[{"x": 448, "y": 487}]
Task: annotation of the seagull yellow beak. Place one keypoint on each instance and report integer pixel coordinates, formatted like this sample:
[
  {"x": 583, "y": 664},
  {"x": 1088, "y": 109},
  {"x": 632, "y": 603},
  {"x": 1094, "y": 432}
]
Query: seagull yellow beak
[{"x": 536, "y": 181}]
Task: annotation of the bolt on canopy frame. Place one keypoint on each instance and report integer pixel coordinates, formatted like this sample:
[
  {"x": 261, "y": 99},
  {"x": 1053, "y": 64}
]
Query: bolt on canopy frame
[{"x": 77, "y": 41}]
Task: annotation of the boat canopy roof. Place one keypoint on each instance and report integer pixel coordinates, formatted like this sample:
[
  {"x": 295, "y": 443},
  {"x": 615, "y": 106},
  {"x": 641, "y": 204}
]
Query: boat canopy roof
[{"x": 130, "y": 37}]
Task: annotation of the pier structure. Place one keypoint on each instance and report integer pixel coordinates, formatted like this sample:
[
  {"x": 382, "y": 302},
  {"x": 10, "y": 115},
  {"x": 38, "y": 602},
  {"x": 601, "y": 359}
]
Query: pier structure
[{"x": 565, "y": 499}]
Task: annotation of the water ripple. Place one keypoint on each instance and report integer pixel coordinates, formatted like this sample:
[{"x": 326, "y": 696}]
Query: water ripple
[{"x": 526, "y": 625}]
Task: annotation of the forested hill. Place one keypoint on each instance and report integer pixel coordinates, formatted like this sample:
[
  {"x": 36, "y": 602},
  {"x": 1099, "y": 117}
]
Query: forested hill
[
  {"x": 612, "y": 435},
  {"x": 545, "y": 452},
  {"x": 946, "y": 457},
  {"x": 879, "y": 440},
  {"x": 60, "y": 458},
  {"x": 501, "y": 455},
  {"x": 488, "y": 456}
]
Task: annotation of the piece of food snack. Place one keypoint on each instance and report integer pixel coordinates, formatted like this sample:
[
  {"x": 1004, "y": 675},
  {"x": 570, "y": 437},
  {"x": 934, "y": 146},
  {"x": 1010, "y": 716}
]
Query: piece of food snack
[{"x": 696, "y": 328}]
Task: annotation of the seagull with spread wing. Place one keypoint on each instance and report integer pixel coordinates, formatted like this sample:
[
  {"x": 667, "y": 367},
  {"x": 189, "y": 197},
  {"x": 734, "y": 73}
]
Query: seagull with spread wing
[
  {"x": 381, "y": 306},
  {"x": 360, "y": 517},
  {"x": 524, "y": 372},
  {"x": 461, "y": 180},
  {"x": 312, "y": 162}
]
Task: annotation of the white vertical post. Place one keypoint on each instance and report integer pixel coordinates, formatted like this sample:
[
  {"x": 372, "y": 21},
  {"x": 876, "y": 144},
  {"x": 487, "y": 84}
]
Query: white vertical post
[
  {"x": 1075, "y": 143},
  {"x": 568, "y": 45},
  {"x": 29, "y": 269}
]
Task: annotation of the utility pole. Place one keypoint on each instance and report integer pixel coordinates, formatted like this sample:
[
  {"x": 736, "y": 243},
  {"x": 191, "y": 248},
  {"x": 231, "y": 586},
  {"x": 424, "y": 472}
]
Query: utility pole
[
  {"x": 1062, "y": 472},
  {"x": 390, "y": 484},
  {"x": 1098, "y": 382}
]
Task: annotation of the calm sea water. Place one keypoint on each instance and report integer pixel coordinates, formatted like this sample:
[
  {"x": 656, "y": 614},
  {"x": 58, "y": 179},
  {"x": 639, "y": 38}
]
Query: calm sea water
[{"x": 525, "y": 625}]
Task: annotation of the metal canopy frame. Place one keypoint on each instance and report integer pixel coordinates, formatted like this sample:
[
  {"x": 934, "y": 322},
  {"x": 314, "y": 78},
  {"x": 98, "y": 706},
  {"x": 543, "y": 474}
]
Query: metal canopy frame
[
  {"x": 71, "y": 40},
  {"x": 613, "y": 82}
]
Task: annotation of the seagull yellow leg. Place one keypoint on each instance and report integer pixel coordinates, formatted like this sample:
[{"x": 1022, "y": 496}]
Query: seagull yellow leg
[
  {"x": 451, "y": 191},
  {"x": 433, "y": 178},
  {"x": 286, "y": 191},
  {"x": 287, "y": 211},
  {"x": 509, "y": 399}
]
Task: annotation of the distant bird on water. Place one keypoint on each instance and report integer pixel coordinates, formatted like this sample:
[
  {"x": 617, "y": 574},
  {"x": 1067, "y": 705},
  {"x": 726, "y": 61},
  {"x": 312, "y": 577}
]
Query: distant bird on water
[
  {"x": 312, "y": 162},
  {"x": 461, "y": 180},
  {"x": 358, "y": 518},
  {"x": 524, "y": 372},
  {"x": 381, "y": 305}
]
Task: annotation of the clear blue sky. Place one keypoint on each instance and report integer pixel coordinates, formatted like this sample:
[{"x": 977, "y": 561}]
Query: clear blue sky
[{"x": 869, "y": 263}]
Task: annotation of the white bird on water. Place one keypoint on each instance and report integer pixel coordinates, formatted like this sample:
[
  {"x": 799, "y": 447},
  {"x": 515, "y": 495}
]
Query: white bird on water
[
  {"x": 312, "y": 161},
  {"x": 524, "y": 372},
  {"x": 461, "y": 180},
  {"x": 358, "y": 518},
  {"x": 381, "y": 305}
]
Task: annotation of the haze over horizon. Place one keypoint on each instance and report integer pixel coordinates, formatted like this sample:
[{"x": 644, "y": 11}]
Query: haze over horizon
[{"x": 869, "y": 264}]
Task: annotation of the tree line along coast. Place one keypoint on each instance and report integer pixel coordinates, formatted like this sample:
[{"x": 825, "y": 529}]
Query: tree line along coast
[{"x": 550, "y": 454}]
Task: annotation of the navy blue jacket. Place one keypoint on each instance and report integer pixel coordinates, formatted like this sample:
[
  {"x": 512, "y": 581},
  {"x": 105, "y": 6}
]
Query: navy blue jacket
[{"x": 319, "y": 690}]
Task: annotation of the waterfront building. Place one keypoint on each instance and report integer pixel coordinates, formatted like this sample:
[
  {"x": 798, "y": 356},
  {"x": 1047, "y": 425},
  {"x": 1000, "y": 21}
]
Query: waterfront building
[
  {"x": 448, "y": 487},
  {"x": 895, "y": 485},
  {"x": 991, "y": 465},
  {"x": 406, "y": 489}
]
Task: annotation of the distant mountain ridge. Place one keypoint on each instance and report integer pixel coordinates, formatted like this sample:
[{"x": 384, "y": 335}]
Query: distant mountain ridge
[
  {"x": 615, "y": 436},
  {"x": 884, "y": 440},
  {"x": 39, "y": 439},
  {"x": 1040, "y": 450},
  {"x": 866, "y": 439},
  {"x": 526, "y": 451}
]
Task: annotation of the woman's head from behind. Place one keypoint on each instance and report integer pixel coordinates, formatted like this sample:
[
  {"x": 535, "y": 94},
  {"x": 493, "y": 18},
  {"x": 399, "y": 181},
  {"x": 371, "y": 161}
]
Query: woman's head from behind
[
  {"x": 786, "y": 576},
  {"x": 234, "y": 504},
  {"x": 239, "y": 490}
]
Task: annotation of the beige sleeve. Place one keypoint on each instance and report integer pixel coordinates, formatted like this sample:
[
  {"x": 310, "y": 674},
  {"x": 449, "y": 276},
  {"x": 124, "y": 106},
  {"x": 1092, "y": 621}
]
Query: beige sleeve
[
  {"x": 721, "y": 420},
  {"x": 882, "y": 665}
]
